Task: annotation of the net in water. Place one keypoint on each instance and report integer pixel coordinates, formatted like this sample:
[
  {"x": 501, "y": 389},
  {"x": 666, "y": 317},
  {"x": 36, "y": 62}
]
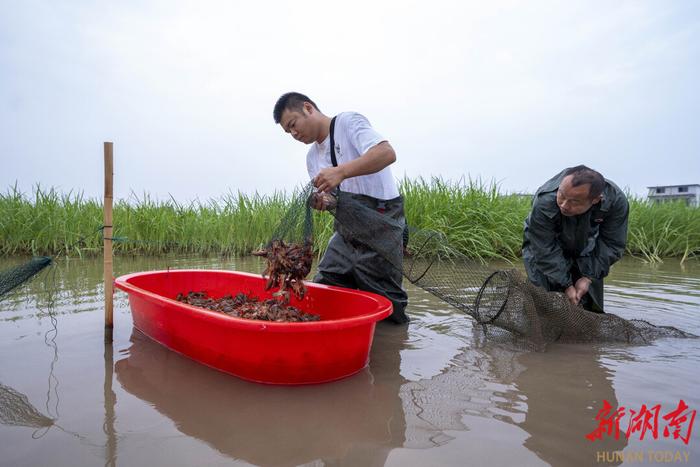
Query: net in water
[{"x": 17, "y": 275}]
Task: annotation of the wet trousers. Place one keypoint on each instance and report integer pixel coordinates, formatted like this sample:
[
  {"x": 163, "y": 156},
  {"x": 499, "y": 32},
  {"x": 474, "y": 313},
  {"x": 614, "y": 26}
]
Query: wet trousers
[{"x": 355, "y": 266}]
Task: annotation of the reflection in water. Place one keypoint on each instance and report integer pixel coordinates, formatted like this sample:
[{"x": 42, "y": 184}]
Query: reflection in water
[
  {"x": 565, "y": 389},
  {"x": 50, "y": 341},
  {"x": 16, "y": 410},
  {"x": 110, "y": 400},
  {"x": 474, "y": 386},
  {"x": 553, "y": 396},
  {"x": 354, "y": 421},
  {"x": 76, "y": 285},
  {"x": 359, "y": 420}
]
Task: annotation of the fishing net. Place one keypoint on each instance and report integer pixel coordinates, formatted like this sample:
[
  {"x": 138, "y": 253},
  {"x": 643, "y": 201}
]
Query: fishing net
[
  {"x": 502, "y": 302},
  {"x": 544, "y": 317},
  {"x": 16, "y": 410},
  {"x": 17, "y": 275},
  {"x": 289, "y": 253}
]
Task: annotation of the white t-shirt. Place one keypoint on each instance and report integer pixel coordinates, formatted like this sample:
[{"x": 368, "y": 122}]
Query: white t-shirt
[{"x": 353, "y": 136}]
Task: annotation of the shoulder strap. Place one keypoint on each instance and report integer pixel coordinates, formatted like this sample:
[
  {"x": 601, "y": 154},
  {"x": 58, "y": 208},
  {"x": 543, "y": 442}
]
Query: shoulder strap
[{"x": 333, "y": 159}]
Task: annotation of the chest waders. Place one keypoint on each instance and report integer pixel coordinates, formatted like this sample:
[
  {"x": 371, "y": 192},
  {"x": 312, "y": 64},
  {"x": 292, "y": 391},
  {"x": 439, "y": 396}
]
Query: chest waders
[{"x": 350, "y": 264}]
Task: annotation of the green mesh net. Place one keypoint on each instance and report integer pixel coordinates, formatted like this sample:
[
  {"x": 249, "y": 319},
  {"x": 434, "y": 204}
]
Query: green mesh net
[{"x": 17, "y": 275}]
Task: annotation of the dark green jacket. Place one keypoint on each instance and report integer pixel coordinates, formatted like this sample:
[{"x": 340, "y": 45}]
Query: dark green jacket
[{"x": 558, "y": 249}]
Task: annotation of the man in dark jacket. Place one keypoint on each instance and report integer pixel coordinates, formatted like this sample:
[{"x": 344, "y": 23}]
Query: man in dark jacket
[{"x": 576, "y": 230}]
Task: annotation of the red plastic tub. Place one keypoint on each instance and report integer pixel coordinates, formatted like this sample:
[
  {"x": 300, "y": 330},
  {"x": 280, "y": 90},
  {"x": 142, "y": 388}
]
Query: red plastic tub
[{"x": 260, "y": 351}]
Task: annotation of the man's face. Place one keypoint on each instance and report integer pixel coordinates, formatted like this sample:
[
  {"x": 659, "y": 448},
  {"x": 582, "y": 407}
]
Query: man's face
[
  {"x": 574, "y": 200},
  {"x": 299, "y": 124}
]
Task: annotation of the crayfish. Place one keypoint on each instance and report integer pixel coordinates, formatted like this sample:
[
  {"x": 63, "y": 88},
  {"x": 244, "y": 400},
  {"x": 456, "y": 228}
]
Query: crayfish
[
  {"x": 248, "y": 307},
  {"x": 287, "y": 266}
]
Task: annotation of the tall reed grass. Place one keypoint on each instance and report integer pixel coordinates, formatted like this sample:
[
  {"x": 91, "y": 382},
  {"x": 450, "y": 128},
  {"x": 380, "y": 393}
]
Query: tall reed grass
[{"x": 476, "y": 218}]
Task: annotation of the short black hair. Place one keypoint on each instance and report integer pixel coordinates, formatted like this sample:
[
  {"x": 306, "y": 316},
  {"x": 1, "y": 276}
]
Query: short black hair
[
  {"x": 584, "y": 175},
  {"x": 290, "y": 101}
]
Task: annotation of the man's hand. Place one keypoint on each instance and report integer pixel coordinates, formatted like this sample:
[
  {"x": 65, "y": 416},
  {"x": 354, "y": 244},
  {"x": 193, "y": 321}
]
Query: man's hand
[
  {"x": 572, "y": 295},
  {"x": 582, "y": 286},
  {"x": 328, "y": 179}
]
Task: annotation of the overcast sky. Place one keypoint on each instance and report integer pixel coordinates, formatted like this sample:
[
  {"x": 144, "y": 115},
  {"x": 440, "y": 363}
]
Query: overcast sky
[{"x": 507, "y": 91}]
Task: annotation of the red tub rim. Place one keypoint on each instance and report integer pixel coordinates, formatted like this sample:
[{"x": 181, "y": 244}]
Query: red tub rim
[{"x": 383, "y": 304}]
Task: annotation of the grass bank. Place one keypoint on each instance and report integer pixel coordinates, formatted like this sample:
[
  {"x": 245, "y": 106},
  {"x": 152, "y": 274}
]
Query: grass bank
[{"x": 477, "y": 218}]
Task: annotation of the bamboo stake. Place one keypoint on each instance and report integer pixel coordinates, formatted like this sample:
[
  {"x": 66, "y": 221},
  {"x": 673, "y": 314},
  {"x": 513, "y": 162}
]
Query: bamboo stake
[{"x": 107, "y": 235}]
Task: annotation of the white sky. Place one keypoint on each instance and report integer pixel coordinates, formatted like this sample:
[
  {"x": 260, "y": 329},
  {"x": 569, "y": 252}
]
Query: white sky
[{"x": 507, "y": 91}]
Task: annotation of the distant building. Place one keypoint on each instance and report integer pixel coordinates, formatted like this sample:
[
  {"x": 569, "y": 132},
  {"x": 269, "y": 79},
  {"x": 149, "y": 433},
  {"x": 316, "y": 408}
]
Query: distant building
[{"x": 688, "y": 193}]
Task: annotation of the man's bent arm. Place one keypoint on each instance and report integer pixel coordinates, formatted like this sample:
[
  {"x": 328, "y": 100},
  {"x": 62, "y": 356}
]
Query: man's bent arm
[
  {"x": 374, "y": 160},
  {"x": 610, "y": 244}
]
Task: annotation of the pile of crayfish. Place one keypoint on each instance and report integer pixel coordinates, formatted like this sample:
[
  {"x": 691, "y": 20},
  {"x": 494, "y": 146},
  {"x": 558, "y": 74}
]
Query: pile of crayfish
[
  {"x": 287, "y": 266},
  {"x": 248, "y": 307}
]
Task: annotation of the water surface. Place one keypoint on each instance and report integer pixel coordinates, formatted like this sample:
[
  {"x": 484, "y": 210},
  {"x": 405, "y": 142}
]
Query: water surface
[{"x": 435, "y": 392}]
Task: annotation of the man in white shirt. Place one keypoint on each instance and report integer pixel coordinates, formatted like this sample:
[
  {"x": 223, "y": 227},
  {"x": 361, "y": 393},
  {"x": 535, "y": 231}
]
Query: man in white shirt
[{"x": 359, "y": 159}]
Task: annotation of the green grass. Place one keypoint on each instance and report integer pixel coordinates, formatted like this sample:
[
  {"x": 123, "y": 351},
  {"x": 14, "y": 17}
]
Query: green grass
[
  {"x": 665, "y": 230},
  {"x": 48, "y": 222},
  {"x": 475, "y": 217}
]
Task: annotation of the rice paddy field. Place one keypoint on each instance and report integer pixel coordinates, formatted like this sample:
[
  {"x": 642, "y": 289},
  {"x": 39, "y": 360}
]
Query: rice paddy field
[{"x": 477, "y": 218}]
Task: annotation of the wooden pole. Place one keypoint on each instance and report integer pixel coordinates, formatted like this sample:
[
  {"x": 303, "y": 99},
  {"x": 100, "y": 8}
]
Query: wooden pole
[{"x": 107, "y": 234}]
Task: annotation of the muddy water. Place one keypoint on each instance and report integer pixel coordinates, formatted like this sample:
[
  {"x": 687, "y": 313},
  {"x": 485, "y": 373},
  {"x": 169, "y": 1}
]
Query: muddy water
[{"x": 435, "y": 393}]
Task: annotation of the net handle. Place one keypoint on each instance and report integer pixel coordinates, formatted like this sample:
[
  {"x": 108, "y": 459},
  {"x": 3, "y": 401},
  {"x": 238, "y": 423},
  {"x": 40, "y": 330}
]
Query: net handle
[
  {"x": 410, "y": 270},
  {"x": 480, "y": 294}
]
